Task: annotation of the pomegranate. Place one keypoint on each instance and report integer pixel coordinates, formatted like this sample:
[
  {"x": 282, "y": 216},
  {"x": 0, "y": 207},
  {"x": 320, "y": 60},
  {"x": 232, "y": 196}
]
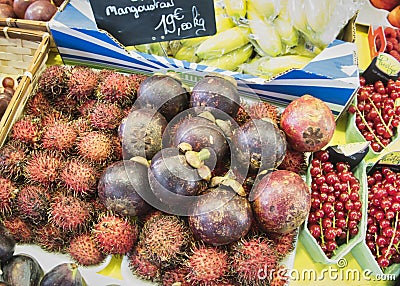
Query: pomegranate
[
  {"x": 308, "y": 124},
  {"x": 281, "y": 201}
]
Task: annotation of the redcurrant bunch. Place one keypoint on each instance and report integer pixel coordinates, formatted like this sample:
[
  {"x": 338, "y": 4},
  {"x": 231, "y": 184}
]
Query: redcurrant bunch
[
  {"x": 377, "y": 115},
  {"x": 335, "y": 203},
  {"x": 383, "y": 230}
]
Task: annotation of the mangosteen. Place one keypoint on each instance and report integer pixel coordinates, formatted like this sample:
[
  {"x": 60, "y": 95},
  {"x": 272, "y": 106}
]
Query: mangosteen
[
  {"x": 118, "y": 188},
  {"x": 174, "y": 175},
  {"x": 164, "y": 93},
  {"x": 218, "y": 92},
  {"x": 22, "y": 269},
  {"x": 220, "y": 216},
  {"x": 262, "y": 144},
  {"x": 141, "y": 133},
  {"x": 7, "y": 244}
]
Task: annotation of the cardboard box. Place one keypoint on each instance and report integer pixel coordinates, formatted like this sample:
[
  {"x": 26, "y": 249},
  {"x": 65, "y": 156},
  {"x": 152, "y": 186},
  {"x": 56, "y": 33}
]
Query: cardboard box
[{"x": 331, "y": 76}]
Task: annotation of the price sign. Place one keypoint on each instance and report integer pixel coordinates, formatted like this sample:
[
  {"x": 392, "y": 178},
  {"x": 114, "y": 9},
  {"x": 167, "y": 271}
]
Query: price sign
[{"x": 134, "y": 22}]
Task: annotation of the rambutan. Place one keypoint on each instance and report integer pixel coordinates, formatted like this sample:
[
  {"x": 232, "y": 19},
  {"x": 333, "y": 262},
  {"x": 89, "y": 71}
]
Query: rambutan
[
  {"x": 105, "y": 116},
  {"x": 51, "y": 238},
  {"x": 12, "y": 160},
  {"x": 26, "y": 130},
  {"x": 176, "y": 276},
  {"x": 142, "y": 267},
  {"x": 7, "y": 194},
  {"x": 294, "y": 161},
  {"x": 53, "y": 116},
  {"x": 163, "y": 237},
  {"x": 32, "y": 203},
  {"x": 207, "y": 265},
  {"x": 263, "y": 109},
  {"x": 95, "y": 146},
  {"x": 69, "y": 213},
  {"x": 117, "y": 154},
  {"x": 253, "y": 261},
  {"x": 60, "y": 136},
  {"x": 43, "y": 167},
  {"x": 82, "y": 82},
  {"x": 84, "y": 108},
  {"x": 81, "y": 125},
  {"x": 37, "y": 105},
  {"x": 21, "y": 231},
  {"x": 280, "y": 277},
  {"x": 84, "y": 250},
  {"x": 53, "y": 81},
  {"x": 96, "y": 205},
  {"x": 79, "y": 176},
  {"x": 242, "y": 115},
  {"x": 117, "y": 87},
  {"x": 284, "y": 243},
  {"x": 114, "y": 234},
  {"x": 65, "y": 105}
]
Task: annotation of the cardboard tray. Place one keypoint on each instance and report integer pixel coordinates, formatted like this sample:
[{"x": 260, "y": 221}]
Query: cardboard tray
[
  {"x": 23, "y": 53},
  {"x": 331, "y": 76},
  {"x": 311, "y": 243}
]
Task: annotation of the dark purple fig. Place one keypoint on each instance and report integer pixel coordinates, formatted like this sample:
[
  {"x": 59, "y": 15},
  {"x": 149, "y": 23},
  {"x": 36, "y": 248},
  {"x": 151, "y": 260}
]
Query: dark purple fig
[
  {"x": 171, "y": 173},
  {"x": 118, "y": 185},
  {"x": 220, "y": 217},
  {"x": 7, "y": 244},
  {"x": 163, "y": 93},
  {"x": 141, "y": 133},
  {"x": 262, "y": 144},
  {"x": 217, "y": 92},
  {"x": 200, "y": 133},
  {"x": 22, "y": 270},
  {"x": 65, "y": 274},
  {"x": 281, "y": 201}
]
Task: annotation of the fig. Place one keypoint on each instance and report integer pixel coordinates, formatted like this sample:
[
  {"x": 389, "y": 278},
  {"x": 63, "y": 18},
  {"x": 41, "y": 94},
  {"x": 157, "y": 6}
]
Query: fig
[
  {"x": 200, "y": 133},
  {"x": 218, "y": 92},
  {"x": 6, "y": 11},
  {"x": 220, "y": 216},
  {"x": 117, "y": 188},
  {"x": 308, "y": 124},
  {"x": 41, "y": 10},
  {"x": 261, "y": 144},
  {"x": 170, "y": 173},
  {"x": 164, "y": 93},
  {"x": 7, "y": 244},
  {"x": 141, "y": 133},
  {"x": 281, "y": 201},
  {"x": 66, "y": 274},
  {"x": 22, "y": 270}
]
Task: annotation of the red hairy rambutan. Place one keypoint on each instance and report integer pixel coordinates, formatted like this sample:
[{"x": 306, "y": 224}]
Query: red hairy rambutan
[
  {"x": 21, "y": 231},
  {"x": 84, "y": 250},
  {"x": 95, "y": 146},
  {"x": 79, "y": 176},
  {"x": 69, "y": 213},
  {"x": 51, "y": 238},
  {"x": 142, "y": 267},
  {"x": 264, "y": 109},
  {"x": 60, "y": 136},
  {"x": 242, "y": 115},
  {"x": 207, "y": 265},
  {"x": 7, "y": 194},
  {"x": 82, "y": 82},
  {"x": 280, "y": 277},
  {"x": 253, "y": 261},
  {"x": 12, "y": 160},
  {"x": 32, "y": 203},
  {"x": 114, "y": 234},
  {"x": 117, "y": 88},
  {"x": 65, "y": 105},
  {"x": 84, "y": 108},
  {"x": 26, "y": 130},
  {"x": 81, "y": 125},
  {"x": 294, "y": 161},
  {"x": 52, "y": 117},
  {"x": 163, "y": 237},
  {"x": 37, "y": 105},
  {"x": 284, "y": 243},
  {"x": 176, "y": 276},
  {"x": 53, "y": 81},
  {"x": 105, "y": 116},
  {"x": 43, "y": 167}
]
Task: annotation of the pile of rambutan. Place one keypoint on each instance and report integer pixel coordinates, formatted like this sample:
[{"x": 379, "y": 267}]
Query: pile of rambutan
[{"x": 54, "y": 159}]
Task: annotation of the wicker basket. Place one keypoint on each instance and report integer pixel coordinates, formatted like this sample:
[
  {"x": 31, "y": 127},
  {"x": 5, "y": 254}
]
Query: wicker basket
[{"x": 23, "y": 53}]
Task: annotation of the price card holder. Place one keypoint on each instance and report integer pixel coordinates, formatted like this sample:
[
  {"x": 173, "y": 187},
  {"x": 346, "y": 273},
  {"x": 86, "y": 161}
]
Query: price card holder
[
  {"x": 391, "y": 160},
  {"x": 134, "y": 22}
]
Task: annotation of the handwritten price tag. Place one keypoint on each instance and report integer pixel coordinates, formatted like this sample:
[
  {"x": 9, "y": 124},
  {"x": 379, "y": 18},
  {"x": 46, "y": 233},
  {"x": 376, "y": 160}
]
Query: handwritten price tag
[{"x": 134, "y": 22}]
